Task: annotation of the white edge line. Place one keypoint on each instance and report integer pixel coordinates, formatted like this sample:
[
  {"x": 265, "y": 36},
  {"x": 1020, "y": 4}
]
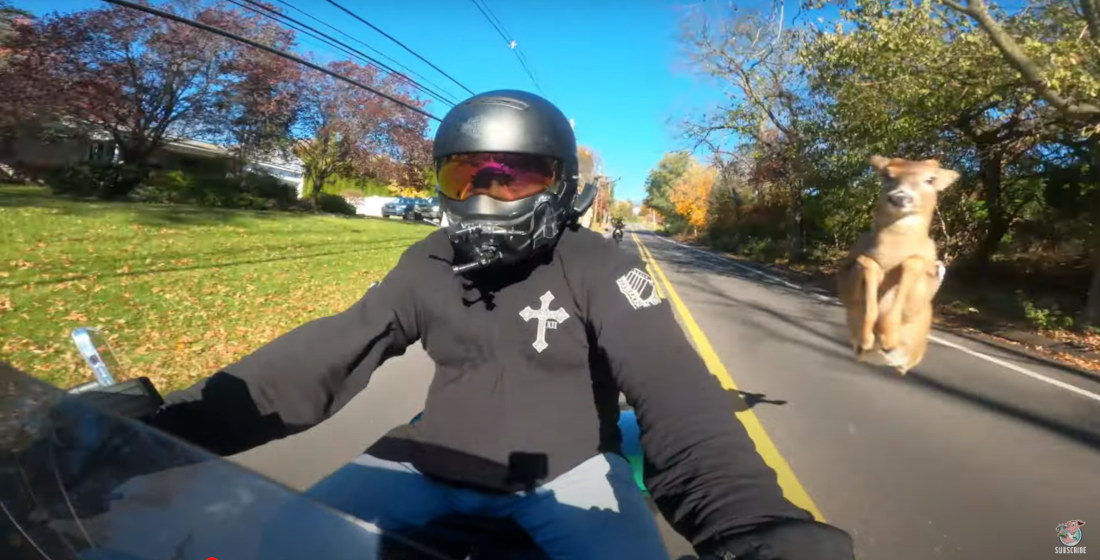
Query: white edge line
[
  {"x": 933, "y": 338},
  {"x": 1017, "y": 369}
]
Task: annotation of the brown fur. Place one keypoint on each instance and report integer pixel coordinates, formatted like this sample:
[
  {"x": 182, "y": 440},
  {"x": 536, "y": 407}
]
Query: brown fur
[{"x": 892, "y": 273}]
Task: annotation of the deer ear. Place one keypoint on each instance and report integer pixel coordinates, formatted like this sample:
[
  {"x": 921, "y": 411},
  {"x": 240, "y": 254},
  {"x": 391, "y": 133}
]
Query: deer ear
[
  {"x": 945, "y": 178},
  {"x": 879, "y": 163}
]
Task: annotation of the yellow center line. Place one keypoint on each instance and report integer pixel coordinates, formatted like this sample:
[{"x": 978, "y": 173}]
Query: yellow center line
[{"x": 792, "y": 488}]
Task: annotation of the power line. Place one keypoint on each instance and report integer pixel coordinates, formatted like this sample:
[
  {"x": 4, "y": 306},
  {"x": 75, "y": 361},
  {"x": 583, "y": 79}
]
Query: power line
[
  {"x": 272, "y": 50},
  {"x": 499, "y": 27},
  {"x": 274, "y": 15},
  {"x": 399, "y": 43},
  {"x": 494, "y": 18},
  {"x": 350, "y": 37}
]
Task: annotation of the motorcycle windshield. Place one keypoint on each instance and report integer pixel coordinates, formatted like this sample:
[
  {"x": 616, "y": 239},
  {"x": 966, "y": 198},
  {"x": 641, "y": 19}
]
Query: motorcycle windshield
[{"x": 76, "y": 482}]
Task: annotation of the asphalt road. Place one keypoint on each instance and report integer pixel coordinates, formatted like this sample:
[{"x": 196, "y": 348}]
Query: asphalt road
[{"x": 977, "y": 453}]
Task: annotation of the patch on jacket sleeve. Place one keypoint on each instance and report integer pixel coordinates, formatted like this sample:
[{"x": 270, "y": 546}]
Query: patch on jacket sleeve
[{"x": 639, "y": 289}]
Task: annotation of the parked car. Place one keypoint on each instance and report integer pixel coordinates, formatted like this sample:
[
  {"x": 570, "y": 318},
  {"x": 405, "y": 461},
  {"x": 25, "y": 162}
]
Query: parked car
[
  {"x": 403, "y": 207},
  {"x": 427, "y": 209}
]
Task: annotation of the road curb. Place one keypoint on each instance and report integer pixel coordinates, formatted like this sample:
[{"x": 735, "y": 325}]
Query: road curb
[{"x": 968, "y": 334}]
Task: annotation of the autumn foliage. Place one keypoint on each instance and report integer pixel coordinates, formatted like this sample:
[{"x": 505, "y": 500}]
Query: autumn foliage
[
  {"x": 1009, "y": 97},
  {"x": 144, "y": 81},
  {"x": 690, "y": 195}
]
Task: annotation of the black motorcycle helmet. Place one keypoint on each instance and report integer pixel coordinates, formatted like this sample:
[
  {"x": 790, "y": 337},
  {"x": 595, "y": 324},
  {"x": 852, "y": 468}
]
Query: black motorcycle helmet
[{"x": 507, "y": 173}]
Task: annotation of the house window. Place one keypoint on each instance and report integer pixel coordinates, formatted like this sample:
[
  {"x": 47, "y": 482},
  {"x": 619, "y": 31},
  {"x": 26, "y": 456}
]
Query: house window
[{"x": 101, "y": 151}]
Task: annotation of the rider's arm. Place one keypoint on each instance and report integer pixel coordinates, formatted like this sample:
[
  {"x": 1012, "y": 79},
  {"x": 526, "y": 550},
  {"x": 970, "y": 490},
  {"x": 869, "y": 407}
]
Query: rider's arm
[
  {"x": 702, "y": 468},
  {"x": 300, "y": 378}
]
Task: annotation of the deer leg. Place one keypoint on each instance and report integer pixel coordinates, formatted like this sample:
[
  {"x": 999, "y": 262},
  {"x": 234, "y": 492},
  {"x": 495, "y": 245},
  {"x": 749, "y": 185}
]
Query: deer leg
[
  {"x": 870, "y": 276},
  {"x": 911, "y": 270}
]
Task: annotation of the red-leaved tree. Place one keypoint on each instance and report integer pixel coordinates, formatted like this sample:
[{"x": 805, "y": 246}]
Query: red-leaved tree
[
  {"x": 144, "y": 79},
  {"x": 262, "y": 103},
  {"x": 349, "y": 130}
]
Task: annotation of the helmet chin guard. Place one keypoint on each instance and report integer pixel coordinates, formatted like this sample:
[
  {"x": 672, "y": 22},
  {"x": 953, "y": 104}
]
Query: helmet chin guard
[{"x": 501, "y": 232}]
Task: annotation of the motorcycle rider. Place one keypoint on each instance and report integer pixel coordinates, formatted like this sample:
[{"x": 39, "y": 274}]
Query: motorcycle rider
[
  {"x": 617, "y": 226},
  {"x": 535, "y": 325}
]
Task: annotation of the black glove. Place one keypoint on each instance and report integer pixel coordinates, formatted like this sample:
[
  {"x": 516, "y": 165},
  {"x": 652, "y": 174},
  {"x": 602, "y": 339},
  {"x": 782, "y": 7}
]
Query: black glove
[{"x": 790, "y": 540}]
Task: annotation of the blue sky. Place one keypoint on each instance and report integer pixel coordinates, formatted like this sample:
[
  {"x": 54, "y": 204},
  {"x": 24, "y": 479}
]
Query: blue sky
[{"x": 612, "y": 65}]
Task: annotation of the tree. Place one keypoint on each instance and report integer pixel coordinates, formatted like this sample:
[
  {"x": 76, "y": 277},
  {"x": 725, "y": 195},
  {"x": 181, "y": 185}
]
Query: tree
[
  {"x": 10, "y": 19},
  {"x": 1069, "y": 82},
  {"x": 755, "y": 61},
  {"x": 691, "y": 195},
  {"x": 261, "y": 106},
  {"x": 904, "y": 79},
  {"x": 590, "y": 172},
  {"x": 140, "y": 78},
  {"x": 349, "y": 130},
  {"x": 13, "y": 23},
  {"x": 659, "y": 182},
  {"x": 589, "y": 164},
  {"x": 623, "y": 210}
]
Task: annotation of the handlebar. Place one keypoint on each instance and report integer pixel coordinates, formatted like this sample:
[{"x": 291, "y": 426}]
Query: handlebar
[{"x": 133, "y": 398}]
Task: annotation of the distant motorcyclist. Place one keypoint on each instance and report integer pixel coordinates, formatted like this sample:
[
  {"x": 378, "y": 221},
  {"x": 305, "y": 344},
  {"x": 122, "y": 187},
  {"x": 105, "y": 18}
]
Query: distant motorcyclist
[
  {"x": 617, "y": 226},
  {"x": 535, "y": 325}
]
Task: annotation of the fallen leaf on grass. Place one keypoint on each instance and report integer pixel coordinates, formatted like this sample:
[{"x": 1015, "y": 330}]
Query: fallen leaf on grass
[
  {"x": 76, "y": 316},
  {"x": 6, "y": 304}
]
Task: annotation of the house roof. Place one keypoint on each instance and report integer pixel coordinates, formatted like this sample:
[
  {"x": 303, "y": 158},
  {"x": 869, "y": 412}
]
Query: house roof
[{"x": 198, "y": 148}]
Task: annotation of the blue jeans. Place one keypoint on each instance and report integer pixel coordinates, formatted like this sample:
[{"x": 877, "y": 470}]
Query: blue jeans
[{"x": 594, "y": 510}]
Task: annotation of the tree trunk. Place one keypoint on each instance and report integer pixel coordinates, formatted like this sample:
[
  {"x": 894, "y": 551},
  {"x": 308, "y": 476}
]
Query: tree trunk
[
  {"x": 1090, "y": 314},
  {"x": 795, "y": 235},
  {"x": 318, "y": 186},
  {"x": 991, "y": 169}
]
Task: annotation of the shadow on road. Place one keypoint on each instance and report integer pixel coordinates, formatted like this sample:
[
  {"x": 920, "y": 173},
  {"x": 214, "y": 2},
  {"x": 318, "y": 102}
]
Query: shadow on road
[{"x": 747, "y": 400}]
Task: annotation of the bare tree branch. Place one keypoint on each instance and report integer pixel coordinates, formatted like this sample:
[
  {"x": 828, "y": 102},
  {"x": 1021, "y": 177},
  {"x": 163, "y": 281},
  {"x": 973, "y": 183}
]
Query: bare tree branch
[
  {"x": 956, "y": 6},
  {"x": 1019, "y": 60}
]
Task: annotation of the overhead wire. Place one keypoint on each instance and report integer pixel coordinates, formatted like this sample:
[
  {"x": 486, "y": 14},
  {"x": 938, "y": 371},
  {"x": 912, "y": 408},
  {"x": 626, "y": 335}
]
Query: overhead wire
[
  {"x": 495, "y": 22},
  {"x": 399, "y": 43},
  {"x": 272, "y": 50},
  {"x": 265, "y": 11},
  {"x": 350, "y": 37},
  {"x": 518, "y": 49}
]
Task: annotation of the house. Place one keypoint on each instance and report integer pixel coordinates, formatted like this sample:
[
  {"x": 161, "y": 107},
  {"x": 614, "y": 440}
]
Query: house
[{"x": 38, "y": 151}]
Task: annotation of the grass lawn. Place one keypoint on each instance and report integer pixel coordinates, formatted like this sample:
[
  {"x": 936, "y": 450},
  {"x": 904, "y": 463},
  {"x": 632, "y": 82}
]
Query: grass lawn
[{"x": 180, "y": 291}]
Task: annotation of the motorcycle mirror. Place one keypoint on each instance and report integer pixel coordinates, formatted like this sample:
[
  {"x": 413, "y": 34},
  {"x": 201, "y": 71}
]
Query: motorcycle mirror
[
  {"x": 88, "y": 342},
  {"x": 584, "y": 199}
]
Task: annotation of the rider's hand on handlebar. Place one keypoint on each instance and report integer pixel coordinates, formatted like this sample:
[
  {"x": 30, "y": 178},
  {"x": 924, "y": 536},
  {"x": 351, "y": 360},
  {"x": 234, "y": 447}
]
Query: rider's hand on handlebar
[{"x": 792, "y": 540}]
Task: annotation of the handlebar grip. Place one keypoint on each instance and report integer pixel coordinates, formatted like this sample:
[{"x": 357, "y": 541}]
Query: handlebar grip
[{"x": 133, "y": 398}]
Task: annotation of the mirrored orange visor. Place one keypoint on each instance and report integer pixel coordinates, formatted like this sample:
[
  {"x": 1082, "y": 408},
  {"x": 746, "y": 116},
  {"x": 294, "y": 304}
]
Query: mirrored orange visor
[{"x": 502, "y": 176}]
